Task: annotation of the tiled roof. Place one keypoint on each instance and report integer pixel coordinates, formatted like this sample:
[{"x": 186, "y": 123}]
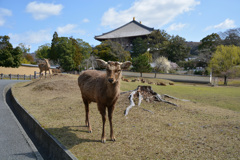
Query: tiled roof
[{"x": 130, "y": 29}]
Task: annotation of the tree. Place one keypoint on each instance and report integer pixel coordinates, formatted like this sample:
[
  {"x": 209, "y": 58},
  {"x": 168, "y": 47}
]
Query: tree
[
  {"x": 25, "y": 49},
  {"x": 207, "y": 47},
  {"x": 53, "y": 54},
  {"x": 30, "y": 58},
  {"x": 9, "y": 56},
  {"x": 141, "y": 64},
  {"x": 225, "y": 60},
  {"x": 162, "y": 64},
  {"x": 43, "y": 51},
  {"x": 139, "y": 47},
  {"x": 177, "y": 50},
  {"x": 65, "y": 50},
  {"x": 158, "y": 41},
  {"x": 172, "y": 47},
  {"x": 231, "y": 37},
  {"x": 111, "y": 51},
  {"x": 68, "y": 52},
  {"x": 194, "y": 47},
  {"x": 26, "y": 57},
  {"x": 86, "y": 48},
  {"x": 77, "y": 53}
]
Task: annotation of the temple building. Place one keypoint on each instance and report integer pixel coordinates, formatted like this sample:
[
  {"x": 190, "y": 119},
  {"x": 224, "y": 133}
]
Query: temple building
[{"x": 126, "y": 34}]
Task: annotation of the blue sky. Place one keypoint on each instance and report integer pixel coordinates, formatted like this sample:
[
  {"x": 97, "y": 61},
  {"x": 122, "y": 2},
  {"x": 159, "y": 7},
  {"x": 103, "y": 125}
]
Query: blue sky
[{"x": 34, "y": 22}]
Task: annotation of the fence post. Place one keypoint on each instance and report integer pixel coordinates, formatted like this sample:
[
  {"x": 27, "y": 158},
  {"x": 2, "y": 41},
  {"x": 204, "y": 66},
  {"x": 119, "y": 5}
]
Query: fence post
[
  {"x": 30, "y": 77},
  {"x": 35, "y": 75},
  {"x": 24, "y": 76},
  {"x": 1, "y": 75},
  {"x": 17, "y": 76},
  {"x": 10, "y": 76}
]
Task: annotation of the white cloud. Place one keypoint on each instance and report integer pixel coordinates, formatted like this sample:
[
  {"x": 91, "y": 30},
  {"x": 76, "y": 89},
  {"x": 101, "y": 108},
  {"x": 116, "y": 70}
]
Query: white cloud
[
  {"x": 176, "y": 27},
  {"x": 3, "y": 13},
  {"x": 70, "y": 29},
  {"x": 227, "y": 24},
  {"x": 31, "y": 37},
  {"x": 150, "y": 12},
  {"x": 41, "y": 11},
  {"x": 85, "y": 20}
]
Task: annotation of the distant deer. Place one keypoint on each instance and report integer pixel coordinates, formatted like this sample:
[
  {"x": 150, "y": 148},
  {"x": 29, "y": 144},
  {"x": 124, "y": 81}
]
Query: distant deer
[
  {"x": 44, "y": 66},
  {"x": 56, "y": 70},
  {"x": 102, "y": 88}
]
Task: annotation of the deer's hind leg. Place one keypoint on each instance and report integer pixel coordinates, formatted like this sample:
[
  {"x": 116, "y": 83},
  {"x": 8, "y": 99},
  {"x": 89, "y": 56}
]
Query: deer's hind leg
[
  {"x": 50, "y": 73},
  {"x": 40, "y": 74},
  {"x": 87, "y": 122}
]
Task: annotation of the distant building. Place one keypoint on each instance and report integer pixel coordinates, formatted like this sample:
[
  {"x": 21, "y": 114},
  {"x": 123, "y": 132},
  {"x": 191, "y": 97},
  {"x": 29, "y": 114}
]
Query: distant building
[{"x": 126, "y": 34}]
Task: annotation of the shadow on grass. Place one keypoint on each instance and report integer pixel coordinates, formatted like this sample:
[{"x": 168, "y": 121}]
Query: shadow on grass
[
  {"x": 32, "y": 82},
  {"x": 229, "y": 85},
  {"x": 67, "y": 136}
]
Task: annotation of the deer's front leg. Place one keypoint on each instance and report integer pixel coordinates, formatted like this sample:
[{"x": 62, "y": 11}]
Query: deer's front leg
[
  {"x": 110, "y": 113},
  {"x": 103, "y": 113}
]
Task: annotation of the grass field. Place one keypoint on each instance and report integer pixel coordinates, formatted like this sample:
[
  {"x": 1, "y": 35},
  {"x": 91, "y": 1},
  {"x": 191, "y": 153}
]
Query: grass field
[
  {"x": 20, "y": 70},
  {"x": 208, "y": 127},
  {"x": 222, "y": 96}
]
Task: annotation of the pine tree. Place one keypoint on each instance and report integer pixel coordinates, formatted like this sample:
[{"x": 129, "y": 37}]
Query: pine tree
[{"x": 141, "y": 64}]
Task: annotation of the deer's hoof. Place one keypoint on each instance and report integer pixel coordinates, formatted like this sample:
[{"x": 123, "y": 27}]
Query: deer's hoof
[
  {"x": 103, "y": 140},
  {"x": 113, "y": 139},
  {"x": 90, "y": 131}
]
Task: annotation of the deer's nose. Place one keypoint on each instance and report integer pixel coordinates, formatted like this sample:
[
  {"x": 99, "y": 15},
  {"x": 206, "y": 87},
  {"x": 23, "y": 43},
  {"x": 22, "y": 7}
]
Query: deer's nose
[{"x": 110, "y": 80}]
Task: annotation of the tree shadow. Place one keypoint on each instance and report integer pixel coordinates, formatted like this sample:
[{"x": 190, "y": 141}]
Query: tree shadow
[{"x": 67, "y": 137}]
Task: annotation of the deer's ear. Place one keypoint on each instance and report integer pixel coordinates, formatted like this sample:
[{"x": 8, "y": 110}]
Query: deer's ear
[
  {"x": 126, "y": 65},
  {"x": 101, "y": 63}
]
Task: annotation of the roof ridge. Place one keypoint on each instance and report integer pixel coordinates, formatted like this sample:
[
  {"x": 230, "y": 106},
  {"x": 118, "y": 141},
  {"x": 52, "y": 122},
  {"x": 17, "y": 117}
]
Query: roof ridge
[
  {"x": 140, "y": 24},
  {"x": 133, "y": 21}
]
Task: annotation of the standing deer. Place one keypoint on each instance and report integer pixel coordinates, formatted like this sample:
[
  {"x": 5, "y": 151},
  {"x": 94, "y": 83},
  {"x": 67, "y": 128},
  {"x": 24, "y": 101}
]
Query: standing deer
[
  {"x": 44, "y": 66},
  {"x": 102, "y": 88}
]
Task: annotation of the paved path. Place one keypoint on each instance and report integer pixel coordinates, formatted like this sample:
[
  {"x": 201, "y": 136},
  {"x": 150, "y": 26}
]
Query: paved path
[{"x": 14, "y": 142}]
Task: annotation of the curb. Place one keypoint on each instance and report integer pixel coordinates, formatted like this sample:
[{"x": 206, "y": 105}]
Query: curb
[{"x": 48, "y": 146}]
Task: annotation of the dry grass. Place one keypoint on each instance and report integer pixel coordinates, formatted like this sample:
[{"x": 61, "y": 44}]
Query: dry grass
[
  {"x": 191, "y": 131},
  {"x": 21, "y": 70}
]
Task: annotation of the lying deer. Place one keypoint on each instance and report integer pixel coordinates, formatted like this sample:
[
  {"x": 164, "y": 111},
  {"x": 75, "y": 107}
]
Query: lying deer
[
  {"x": 56, "y": 70},
  {"x": 102, "y": 88}
]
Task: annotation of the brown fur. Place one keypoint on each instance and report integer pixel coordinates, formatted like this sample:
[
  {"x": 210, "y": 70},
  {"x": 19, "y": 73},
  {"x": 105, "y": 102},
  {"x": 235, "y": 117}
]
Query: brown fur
[
  {"x": 143, "y": 81},
  {"x": 126, "y": 80},
  {"x": 56, "y": 71},
  {"x": 44, "y": 66},
  {"x": 134, "y": 80},
  {"x": 102, "y": 88},
  {"x": 161, "y": 84}
]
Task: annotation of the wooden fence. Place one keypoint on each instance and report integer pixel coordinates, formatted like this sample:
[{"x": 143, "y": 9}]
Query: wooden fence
[
  {"x": 173, "y": 77},
  {"x": 19, "y": 77}
]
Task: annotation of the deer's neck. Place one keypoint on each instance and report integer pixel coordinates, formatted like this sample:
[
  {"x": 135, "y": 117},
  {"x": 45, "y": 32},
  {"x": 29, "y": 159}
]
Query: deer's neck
[{"x": 113, "y": 89}]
